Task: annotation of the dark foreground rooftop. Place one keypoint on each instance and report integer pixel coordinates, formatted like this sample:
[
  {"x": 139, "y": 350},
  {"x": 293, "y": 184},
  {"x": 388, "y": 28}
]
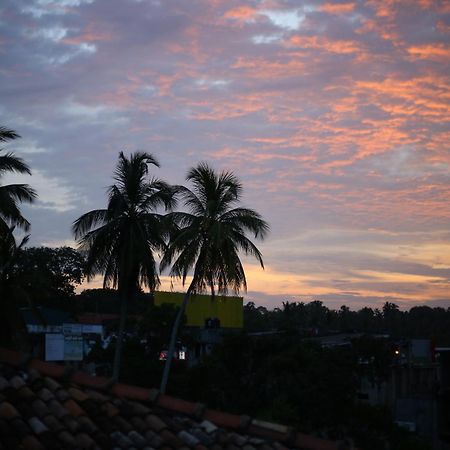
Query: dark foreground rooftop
[{"x": 48, "y": 406}]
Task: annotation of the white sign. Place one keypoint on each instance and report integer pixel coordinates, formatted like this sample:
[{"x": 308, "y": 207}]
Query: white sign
[
  {"x": 43, "y": 329},
  {"x": 94, "y": 329},
  {"x": 73, "y": 348},
  {"x": 54, "y": 347},
  {"x": 72, "y": 328}
]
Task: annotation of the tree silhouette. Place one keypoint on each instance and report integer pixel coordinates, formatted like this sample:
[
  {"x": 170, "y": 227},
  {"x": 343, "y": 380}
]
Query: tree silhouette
[
  {"x": 208, "y": 238},
  {"x": 12, "y": 195},
  {"x": 122, "y": 239}
]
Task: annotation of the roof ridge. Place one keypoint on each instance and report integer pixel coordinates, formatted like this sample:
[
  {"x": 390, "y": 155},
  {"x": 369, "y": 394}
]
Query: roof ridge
[{"x": 268, "y": 430}]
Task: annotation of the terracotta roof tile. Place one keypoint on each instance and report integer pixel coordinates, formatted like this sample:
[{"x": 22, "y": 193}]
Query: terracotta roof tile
[
  {"x": 51, "y": 384},
  {"x": 45, "y": 394},
  {"x": 74, "y": 408},
  {"x": 26, "y": 393},
  {"x": 8, "y": 411},
  {"x": 153, "y": 439},
  {"x": 31, "y": 443},
  {"x": 20, "y": 427},
  {"x": 139, "y": 424},
  {"x": 122, "y": 424},
  {"x": 57, "y": 409},
  {"x": 40, "y": 408},
  {"x": 155, "y": 423},
  {"x": 62, "y": 395},
  {"x": 71, "y": 424},
  {"x": 53, "y": 423},
  {"x": 17, "y": 382},
  {"x": 37, "y": 426},
  {"x": 66, "y": 439},
  {"x": 188, "y": 438},
  {"x": 87, "y": 425},
  {"x": 46, "y": 406},
  {"x": 77, "y": 394},
  {"x": 84, "y": 441},
  {"x": 137, "y": 439}
]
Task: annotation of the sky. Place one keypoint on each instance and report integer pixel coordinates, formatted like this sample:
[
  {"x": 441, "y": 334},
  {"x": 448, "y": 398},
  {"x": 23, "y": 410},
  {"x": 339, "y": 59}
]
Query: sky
[{"x": 334, "y": 115}]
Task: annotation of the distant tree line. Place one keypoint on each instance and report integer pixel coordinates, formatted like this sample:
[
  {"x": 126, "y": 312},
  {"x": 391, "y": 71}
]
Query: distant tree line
[{"x": 420, "y": 322}]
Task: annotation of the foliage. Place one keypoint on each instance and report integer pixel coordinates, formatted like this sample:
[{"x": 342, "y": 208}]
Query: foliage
[
  {"x": 12, "y": 293},
  {"x": 420, "y": 322},
  {"x": 107, "y": 301},
  {"x": 121, "y": 240},
  {"x": 49, "y": 275},
  {"x": 155, "y": 325},
  {"x": 208, "y": 238},
  {"x": 286, "y": 380},
  {"x": 12, "y": 195}
]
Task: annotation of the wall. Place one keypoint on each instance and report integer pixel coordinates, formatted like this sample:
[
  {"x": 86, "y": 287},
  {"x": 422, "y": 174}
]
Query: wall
[{"x": 229, "y": 310}]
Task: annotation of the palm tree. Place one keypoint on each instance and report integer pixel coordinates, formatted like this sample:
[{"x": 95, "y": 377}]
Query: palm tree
[
  {"x": 120, "y": 241},
  {"x": 11, "y": 195},
  {"x": 11, "y": 292},
  {"x": 207, "y": 239}
]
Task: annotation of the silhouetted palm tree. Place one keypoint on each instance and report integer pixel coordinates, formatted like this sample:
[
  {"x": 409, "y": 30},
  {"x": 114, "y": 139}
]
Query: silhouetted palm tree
[
  {"x": 207, "y": 240},
  {"x": 13, "y": 194},
  {"x": 11, "y": 292},
  {"x": 121, "y": 240}
]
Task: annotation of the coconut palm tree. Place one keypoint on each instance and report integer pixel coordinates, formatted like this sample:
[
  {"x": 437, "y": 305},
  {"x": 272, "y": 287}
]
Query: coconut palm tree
[
  {"x": 121, "y": 240},
  {"x": 13, "y": 194},
  {"x": 206, "y": 240},
  {"x": 12, "y": 293}
]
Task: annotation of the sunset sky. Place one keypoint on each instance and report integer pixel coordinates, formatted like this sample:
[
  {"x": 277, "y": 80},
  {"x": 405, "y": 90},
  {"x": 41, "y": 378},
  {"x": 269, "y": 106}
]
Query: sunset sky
[{"x": 335, "y": 116}]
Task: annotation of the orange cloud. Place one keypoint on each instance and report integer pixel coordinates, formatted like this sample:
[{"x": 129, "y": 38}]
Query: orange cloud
[
  {"x": 321, "y": 43},
  {"x": 89, "y": 35},
  {"x": 338, "y": 8},
  {"x": 440, "y": 52},
  {"x": 241, "y": 13}
]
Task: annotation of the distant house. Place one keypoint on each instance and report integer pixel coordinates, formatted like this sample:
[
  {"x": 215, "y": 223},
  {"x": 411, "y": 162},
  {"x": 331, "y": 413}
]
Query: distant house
[
  {"x": 202, "y": 309},
  {"x": 57, "y": 336},
  {"x": 207, "y": 317}
]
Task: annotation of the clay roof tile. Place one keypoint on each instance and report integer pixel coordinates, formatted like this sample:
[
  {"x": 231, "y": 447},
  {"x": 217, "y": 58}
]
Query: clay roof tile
[
  {"x": 44, "y": 405},
  {"x": 8, "y": 411}
]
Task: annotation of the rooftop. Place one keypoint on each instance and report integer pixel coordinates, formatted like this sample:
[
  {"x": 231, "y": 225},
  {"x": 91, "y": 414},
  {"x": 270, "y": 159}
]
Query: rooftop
[{"x": 50, "y": 406}]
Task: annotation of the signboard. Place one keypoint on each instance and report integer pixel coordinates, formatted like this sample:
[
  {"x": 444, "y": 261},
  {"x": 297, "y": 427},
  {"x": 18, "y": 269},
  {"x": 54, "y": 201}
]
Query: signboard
[
  {"x": 92, "y": 329},
  {"x": 44, "y": 329},
  {"x": 72, "y": 328},
  {"x": 54, "y": 347},
  {"x": 73, "y": 347}
]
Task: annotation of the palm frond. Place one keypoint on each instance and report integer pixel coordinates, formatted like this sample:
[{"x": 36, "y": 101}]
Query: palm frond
[
  {"x": 206, "y": 241},
  {"x": 88, "y": 221},
  {"x": 247, "y": 219},
  {"x": 18, "y": 192},
  {"x": 121, "y": 240},
  {"x": 12, "y": 163},
  {"x": 7, "y": 135},
  {"x": 10, "y": 212}
]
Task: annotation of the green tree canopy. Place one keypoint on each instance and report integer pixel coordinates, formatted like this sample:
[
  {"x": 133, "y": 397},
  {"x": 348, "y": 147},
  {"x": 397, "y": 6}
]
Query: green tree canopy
[{"x": 49, "y": 273}]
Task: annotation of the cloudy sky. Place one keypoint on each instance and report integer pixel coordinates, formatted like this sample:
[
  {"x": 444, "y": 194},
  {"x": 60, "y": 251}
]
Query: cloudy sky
[{"x": 335, "y": 116}]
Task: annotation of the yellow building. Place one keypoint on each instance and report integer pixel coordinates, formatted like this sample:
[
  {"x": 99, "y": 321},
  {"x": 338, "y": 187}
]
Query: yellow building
[{"x": 229, "y": 310}]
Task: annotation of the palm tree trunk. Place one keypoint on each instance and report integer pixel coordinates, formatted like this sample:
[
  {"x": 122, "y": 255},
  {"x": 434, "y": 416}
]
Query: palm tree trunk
[
  {"x": 120, "y": 335},
  {"x": 173, "y": 340}
]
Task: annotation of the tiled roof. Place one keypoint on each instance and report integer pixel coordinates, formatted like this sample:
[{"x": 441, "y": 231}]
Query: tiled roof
[{"x": 47, "y": 406}]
